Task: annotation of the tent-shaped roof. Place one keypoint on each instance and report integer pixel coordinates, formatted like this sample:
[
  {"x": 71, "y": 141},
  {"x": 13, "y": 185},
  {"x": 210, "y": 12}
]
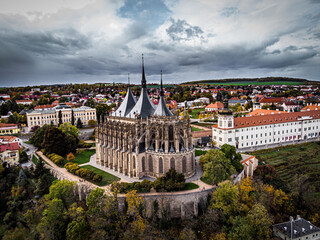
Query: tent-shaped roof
[
  {"x": 127, "y": 105},
  {"x": 162, "y": 109}
]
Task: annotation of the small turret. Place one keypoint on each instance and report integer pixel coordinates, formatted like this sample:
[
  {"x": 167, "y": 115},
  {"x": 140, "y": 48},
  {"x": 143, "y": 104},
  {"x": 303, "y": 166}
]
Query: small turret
[{"x": 225, "y": 116}]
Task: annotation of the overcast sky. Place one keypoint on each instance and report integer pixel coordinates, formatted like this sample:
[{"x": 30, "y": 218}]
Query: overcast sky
[{"x": 73, "y": 41}]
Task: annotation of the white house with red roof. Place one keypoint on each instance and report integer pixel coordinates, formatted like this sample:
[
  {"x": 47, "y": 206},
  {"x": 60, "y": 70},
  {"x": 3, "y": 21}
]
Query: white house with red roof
[
  {"x": 250, "y": 163},
  {"x": 265, "y": 131}
]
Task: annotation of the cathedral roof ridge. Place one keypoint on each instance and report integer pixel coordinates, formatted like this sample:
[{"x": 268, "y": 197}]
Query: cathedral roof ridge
[
  {"x": 144, "y": 107},
  {"x": 127, "y": 104}
]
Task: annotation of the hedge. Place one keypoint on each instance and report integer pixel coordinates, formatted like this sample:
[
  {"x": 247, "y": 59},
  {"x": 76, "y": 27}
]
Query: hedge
[
  {"x": 82, "y": 172},
  {"x": 57, "y": 159}
]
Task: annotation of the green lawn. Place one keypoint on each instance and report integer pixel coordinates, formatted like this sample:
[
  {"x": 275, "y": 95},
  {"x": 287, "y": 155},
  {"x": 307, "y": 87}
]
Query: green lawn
[
  {"x": 206, "y": 180},
  {"x": 295, "y": 160},
  {"x": 194, "y": 129},
  {"x": 205, "y": 124},
  {"x": 194, "y": 113},
  {"x": 190, "y": 186},
  {"x": 107, "y": 178},
  {"x": 256, "y": 83},
  {"x": 83, "y": 156},
  {"x": 200, "y": 152}
]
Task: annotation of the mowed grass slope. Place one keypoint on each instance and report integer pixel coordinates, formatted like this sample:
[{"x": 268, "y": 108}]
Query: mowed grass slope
[
  {"x": 289, "y": 161},
  {"x": 107, "y": 178}
]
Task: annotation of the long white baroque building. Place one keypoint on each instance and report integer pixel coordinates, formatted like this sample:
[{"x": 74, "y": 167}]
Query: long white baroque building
[
  {"x": 265, "y": 130},
  {"x": 42, "y": 117}
]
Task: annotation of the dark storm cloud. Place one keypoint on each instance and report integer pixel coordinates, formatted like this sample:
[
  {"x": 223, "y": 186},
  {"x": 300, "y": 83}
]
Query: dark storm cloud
[
  {"x": 62, "y": 41},
  {"x": 181, "y": 30}
]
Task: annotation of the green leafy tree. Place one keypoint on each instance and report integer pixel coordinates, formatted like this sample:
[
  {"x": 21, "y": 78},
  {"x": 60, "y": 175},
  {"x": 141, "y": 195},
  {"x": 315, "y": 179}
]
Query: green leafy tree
[
  {"x": 231, "y": 153},
  {"x": 23, "y": 156},
  {"x": 260, "y": 219},
  {"x": 68, "y": 128},
  {"x": 38, "y": 136},
  {"x": 54, "y": 141},
  {"x": 216, "y": 166},
  {"x": 60, "y": 117},
  {"x": 225, "y": 199},
  {"x": 90, "y": 103},
  {"x": 72, "y": 117},
  {"x": 53, "y": 223},
  {"x": 79, "y": 123},
  {"x": 63, "y": 190},
  {"x": 242, "y": 229}
]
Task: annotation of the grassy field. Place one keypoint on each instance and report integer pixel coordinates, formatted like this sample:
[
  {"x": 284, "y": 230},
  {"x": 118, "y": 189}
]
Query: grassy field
[
  {"x": 194, "y": 113},
  {"x": 83, "y": 156},
  {"x": 200, "y": 152},
  {"x": 295, "y": 160},
  {"x": 107, "y": 178},
  {"x": 257, "y": 83},
  {"x": 194, "y": 129},
  {"x": 190, "y": 186}
]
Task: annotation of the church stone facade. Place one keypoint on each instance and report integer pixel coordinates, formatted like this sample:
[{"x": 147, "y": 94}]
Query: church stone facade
[{"x": 140, "y": 139}]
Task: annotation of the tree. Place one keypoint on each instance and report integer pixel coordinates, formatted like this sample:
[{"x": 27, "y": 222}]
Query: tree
[
  {"x": 79, "y": 123},
  {"x": 225, "y": 199},
  {"x": 259, "y": 218},
  {"x": 23, "y": 156},
  {"x": 71, "y": 143},
  {"x": 95, "y": 200},
  {"x": 231, "y": 153},
  {"x": 135, "y": 209},
  {"x": 63, "y": 190},
  {"x": 72, "y": 117},
  {"x": 68, "y": 128},
  {"x": 242, "y": 229},
  {"x": 216, "y": 167},
  {"x": 90, "y": 103},
  {"x": 52, "y": 224},
  {"x": 60, "y": 117},
  {"x": 92, "y": 123},
  {"x": 54, "y": 141},
  {"x": 37, "y": 137},
  {"x": 70, "y": 157}
]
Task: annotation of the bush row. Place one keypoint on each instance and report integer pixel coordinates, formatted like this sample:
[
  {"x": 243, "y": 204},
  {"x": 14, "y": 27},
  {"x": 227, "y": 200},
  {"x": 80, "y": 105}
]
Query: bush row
[
  {"x": 172, "y": 181},
  {"x": 83, "y": 144},
  {"x": 124, "y": 187},
  {"x": 82, "y": 172},
  {"x": 57, "y": 159}
]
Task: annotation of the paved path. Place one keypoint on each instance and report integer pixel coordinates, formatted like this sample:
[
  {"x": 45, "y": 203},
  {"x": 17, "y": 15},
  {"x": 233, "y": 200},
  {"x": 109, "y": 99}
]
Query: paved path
[
  {"x": 68, "y": 175},
  {"x": 195, "y": 178},
  {"x": 200, "y": 127}
]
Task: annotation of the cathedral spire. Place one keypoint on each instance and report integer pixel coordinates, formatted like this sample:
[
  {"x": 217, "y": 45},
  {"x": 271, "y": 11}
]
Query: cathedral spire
[
  {"x": 143, "y": 81},
  {"x": 129, "y": 79},
  {"x": 161, "y": 87}
]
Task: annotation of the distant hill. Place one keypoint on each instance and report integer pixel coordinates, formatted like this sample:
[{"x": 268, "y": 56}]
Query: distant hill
[{"x": 254, "y": 81}]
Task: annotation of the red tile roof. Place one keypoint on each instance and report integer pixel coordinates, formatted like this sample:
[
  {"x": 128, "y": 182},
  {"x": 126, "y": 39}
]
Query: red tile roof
[
  {"x": 310, "y": 108},
  {"x": 259, "y": 112},
  {"x": 253, "y": 121},
  {"x": 9, "y": 146},
  {"x": 217, "y": 105},
  {"x": 271, "y": 100},
  {"x": 8, "y": 125}
]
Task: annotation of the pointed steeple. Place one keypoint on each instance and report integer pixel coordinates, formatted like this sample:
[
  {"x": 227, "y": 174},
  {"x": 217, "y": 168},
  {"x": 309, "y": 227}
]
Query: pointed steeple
[
  {"x": 143, "y": 81},
  {"x": 161, "y": 87},
  {"x": 162, "y": 109}
]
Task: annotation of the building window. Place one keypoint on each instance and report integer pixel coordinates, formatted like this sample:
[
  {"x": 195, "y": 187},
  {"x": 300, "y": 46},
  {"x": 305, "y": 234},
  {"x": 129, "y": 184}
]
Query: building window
[
  {"x": 184, "y": 165},
  {"x": 172, "y": 163},
  {"x": 229, "y": 139},
  {"x": 160, "y": 165},
  {"x": 150, "y": 164}
]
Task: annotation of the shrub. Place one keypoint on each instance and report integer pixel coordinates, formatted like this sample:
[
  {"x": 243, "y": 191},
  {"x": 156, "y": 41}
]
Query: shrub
[
  {"x": 97, "y": 178},
  {"x": 57, "y": 159},
  {"x": 83, "y": 144},
  {"x": 70, "y": 157}
]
